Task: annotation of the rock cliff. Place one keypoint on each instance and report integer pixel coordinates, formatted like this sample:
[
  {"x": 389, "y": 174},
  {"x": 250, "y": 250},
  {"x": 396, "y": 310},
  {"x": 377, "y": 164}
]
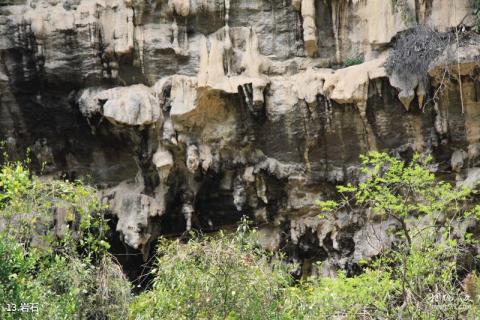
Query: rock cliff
[{"x": 191, "y": 113}]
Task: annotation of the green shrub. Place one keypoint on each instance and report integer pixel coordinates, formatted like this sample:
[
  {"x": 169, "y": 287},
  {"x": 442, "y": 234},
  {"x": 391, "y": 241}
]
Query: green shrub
[
  {"x": 425, "y": 261},
  {"x": 369, "y": 294},
  {"x": 352, "y": 61},
  {"x": 476, "y": 12},
  {"x": 28, "y": 205},
  {"x": 395, "y": 189},
  {"x": 221, "y": 277},
  {"x": 53, "y": 249}
]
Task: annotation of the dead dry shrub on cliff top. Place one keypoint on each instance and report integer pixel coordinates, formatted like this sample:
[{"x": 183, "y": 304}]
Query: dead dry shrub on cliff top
[{"x": 413, "y": 50}]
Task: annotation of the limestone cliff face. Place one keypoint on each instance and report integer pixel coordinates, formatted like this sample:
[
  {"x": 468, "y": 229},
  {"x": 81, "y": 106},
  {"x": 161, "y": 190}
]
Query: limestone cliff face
[{"x": 192, "y": 113}]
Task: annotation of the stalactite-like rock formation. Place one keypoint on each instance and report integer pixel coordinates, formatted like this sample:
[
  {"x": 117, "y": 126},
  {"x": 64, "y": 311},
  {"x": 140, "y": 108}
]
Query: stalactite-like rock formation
[{"x": 191, "y": 113}]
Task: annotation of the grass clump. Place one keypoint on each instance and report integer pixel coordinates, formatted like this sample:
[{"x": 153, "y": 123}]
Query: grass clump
[{"x": 352, "y": 61}]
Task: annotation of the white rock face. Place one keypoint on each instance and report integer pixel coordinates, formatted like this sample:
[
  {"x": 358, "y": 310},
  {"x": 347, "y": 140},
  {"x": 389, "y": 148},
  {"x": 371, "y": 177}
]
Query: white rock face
[
  {"x": 181, "y": 7},
  {"x": 133, "y": 210},
  {"x": 88, "y": 102},
  {"x": 450, "y": 13},
  {"x": 309, "y": 27},
  {"x": 193, "y": 158},
  {"x": 473, "y": 178},
  {"x": 184, "y": 95},
  {"x": 457, "y": 161},
  {"x": 163, "y": 161},
  {"x": 134, "y": 105}
]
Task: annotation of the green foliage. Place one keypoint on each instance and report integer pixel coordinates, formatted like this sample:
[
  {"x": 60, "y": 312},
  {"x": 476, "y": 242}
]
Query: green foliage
[
  {"x": 369, "y": 294},
  {"x": 352, "y": 61},
  {"x": 328, "y": 205},
  {"x": 476, "y": 12},
  {"x": 423, "y": 268},
  {"x": 64, "y": 287},
  {"x": 229, "y": 277},
  {"x": 14, "y": 180},
  {"x": 30, "y": 204},
  {"x": 396, "y": 188},
  {"x": 221, "y": 277},
  {"x": 65, "y": 269}
]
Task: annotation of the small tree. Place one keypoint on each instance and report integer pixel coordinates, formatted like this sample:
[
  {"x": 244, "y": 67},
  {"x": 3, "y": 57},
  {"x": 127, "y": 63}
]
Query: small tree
[
  {"x": 426, "y": 211},
  {"x": 402, "y": 191}
]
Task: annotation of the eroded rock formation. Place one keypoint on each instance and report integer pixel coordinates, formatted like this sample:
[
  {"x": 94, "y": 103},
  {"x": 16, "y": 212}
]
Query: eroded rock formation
[{"x": 191, "y": 113}]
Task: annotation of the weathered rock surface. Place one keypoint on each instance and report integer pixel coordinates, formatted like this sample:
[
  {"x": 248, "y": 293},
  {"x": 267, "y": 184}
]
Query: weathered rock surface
[{"x": 192, "y": 113}]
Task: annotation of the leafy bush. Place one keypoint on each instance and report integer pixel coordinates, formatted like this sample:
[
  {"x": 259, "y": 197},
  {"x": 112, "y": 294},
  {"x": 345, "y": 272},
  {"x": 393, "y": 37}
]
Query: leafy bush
[
  {"x": 53, "y": 250},
  {"x": 394, "y": 189},
  {"x": 476, "y": 12},
  {"x": 369, "y": 294},
  {"x": 425, "y": 261},
  {"x": 352, "y": 61},
  {"x": 29, "y": 205},
  {"x": 222, "y": 277}
]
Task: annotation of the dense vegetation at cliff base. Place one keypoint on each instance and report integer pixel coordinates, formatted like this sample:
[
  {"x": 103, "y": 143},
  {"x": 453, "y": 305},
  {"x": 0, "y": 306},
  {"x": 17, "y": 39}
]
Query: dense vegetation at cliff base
[{"x": 55, "y": 263}]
